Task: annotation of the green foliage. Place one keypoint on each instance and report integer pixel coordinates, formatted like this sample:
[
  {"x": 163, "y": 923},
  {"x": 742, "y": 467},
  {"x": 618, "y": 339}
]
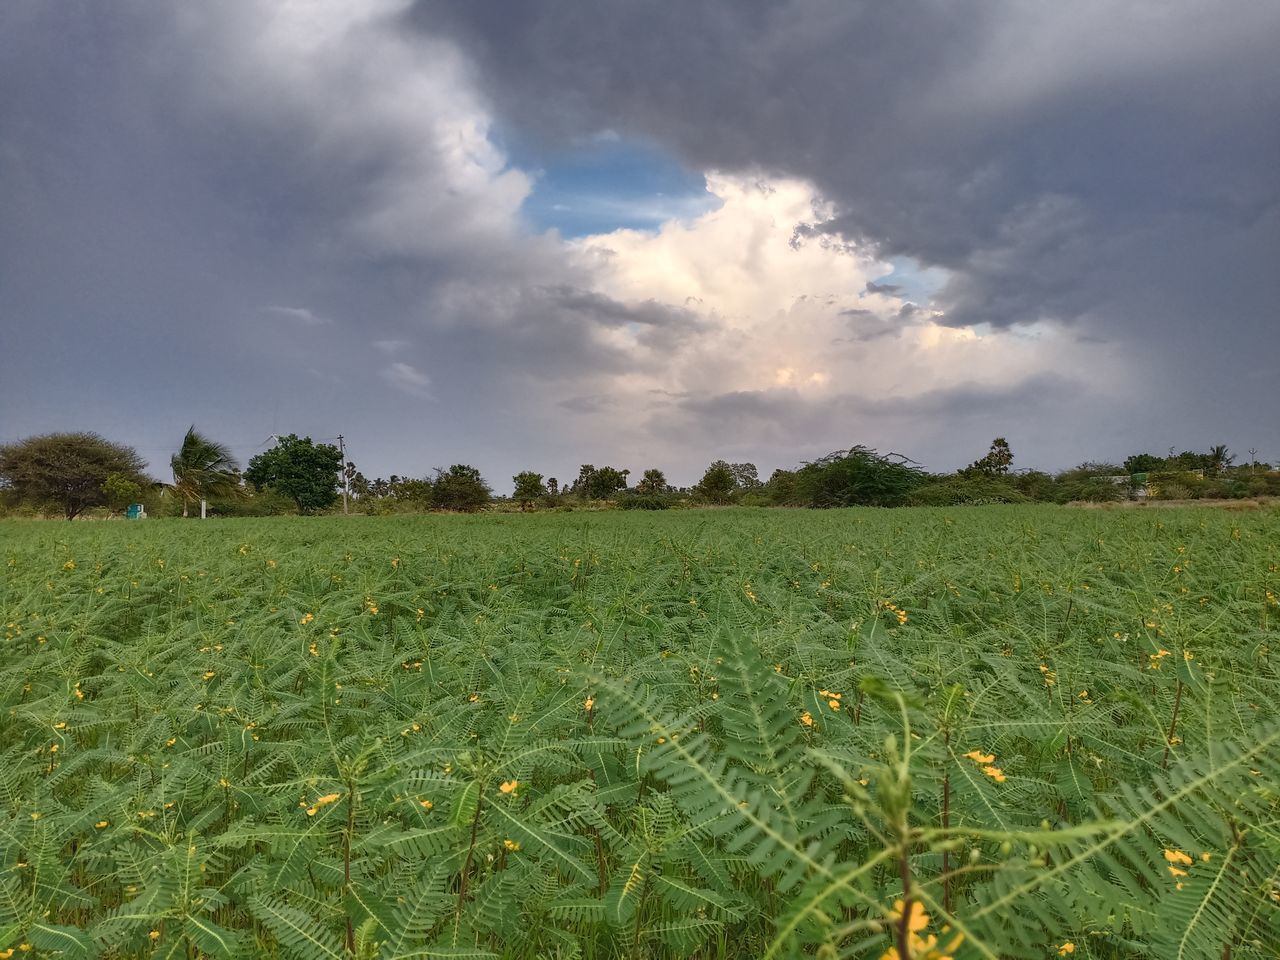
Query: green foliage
[
  {"x": 305, "y": 472},
  {"x": 460, "y": 488},
  {"x": 412, "y": 493},
  {"x": 203, "y": 469},
  {"x": 68, "y": 470},
  {"x": 966, "y": 490},
  {"x": 120, "y": 490},
  {"x": 599, "y": 483},
  {"x": 995, "y": 463},
  {"x": 529, "y": 488},
  {"x": 647, "y": 501},
  {"x": 855, "y": 477},
  {"x": 1090, "y": 483},
  {"x": 718, "y": 484},
  {"x": 653, "y": 481},
  {"x": 643, "y": 735}
]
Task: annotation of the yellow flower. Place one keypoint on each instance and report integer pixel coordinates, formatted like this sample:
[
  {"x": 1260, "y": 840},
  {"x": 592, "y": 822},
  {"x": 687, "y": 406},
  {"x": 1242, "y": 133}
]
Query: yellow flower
[
  {"x": 833, "y": 704},
  {"x": 806, "y": 718},
  {"x": 6, "y": 954},
  {"x": 1175, "y": 872},
  {"x": 425, "y": 804},
  {"x": 977, "y": 756},
  {"x": 69, "y": 565},
  {"x": 1066, "y": 948},
  {"x": 995, "y": 773},
  {"x": 509, "y": 786},
  {"x": 307, "y": 618},
  {"x": 1177, "y": 856},
  {"x": 154, "y": 934},
  {"x": 589, "y": 703},
  {"x": 395, "y": 563},
  {"x": 1206, "y": 857},
  {"x": 511, "y": 844},
  {"x": 209, "y": 674},
  {"x": 324, "y": 801},
  {"x": 101, "y": 824},
  {"x": 916, "y": 921}
]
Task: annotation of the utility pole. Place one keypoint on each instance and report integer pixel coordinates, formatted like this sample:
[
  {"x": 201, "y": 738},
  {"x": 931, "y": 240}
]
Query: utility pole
[{"x": 346, "y": 481}]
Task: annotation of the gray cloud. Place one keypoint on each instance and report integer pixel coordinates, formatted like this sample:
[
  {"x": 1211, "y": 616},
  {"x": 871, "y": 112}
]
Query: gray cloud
[
  {"x": 166, "y": 171},
  {"x": 1087, "y": 164},
  {"x": 298, "y": 315}
]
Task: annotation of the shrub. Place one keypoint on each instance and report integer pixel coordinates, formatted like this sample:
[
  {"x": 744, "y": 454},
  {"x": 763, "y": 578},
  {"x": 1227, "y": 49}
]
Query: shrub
[{"x": 971, "y": 491}]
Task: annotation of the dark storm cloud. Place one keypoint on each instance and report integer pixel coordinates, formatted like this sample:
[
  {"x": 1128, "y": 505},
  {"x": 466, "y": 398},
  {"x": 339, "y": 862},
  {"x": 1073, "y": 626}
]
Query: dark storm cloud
[
  {"x": 266, "y": 220},
  {"x": 1111, "y": 166}
]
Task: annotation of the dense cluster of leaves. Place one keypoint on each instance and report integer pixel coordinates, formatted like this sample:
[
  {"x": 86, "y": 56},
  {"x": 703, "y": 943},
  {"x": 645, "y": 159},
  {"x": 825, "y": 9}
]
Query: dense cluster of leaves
[
  {"x": 984, "y": 733},
  {"x": 74, "y": 471}
]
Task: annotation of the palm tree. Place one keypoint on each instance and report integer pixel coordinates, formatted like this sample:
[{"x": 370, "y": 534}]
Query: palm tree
[
  {"x": 1219, "y": 459},
  {"x": 203, "y": 468}
]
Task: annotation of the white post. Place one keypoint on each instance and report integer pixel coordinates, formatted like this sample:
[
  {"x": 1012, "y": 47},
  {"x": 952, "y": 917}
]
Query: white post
[{"x": 202, "y": 508}]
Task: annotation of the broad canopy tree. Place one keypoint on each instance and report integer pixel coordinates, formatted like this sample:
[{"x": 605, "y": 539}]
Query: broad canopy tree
[
  {"x": 460, "y": 488},
  {"x": 528, "y": 488},
  {"x": 69, "y": 469},
  {"x": 203, "y": 468},
  {"x": 303, "y": 471}
]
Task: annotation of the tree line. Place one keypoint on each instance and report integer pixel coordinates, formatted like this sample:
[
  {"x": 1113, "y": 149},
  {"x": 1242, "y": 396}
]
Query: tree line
[{"x": 74, "y": 472}]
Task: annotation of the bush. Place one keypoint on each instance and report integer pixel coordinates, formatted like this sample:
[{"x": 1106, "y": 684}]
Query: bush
[
  {"x": 966, "y": 491},
  {"x": 644, "y": 501},
  {"x": 855, "y": 477}
]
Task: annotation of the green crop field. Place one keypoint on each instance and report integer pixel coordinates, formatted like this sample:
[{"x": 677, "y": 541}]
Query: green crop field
[{"x": 979, "y": 732}]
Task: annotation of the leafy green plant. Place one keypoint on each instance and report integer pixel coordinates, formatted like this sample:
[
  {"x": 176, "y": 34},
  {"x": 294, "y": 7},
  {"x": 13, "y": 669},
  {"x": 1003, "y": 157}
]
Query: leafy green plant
[{"x": 990, "y": 732}]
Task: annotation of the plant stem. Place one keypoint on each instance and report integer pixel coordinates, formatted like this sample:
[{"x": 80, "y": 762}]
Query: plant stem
[
  {"x": 1173, "y": 726},
  {"x": 471, "y": 849}
]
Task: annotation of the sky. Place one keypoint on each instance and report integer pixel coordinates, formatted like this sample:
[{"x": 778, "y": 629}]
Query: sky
[{"x": 536, "y": 235}]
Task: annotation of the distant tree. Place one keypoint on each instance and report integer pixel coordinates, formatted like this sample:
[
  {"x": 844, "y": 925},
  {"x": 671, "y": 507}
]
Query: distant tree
[
  {"x": 528, "y": 488},
  {"x": 416, "y": 493},
  {"x": 203, "y": 468},
  {"x": 653, "y": 481},
  {"x": 782, "y": 488},
  {"x": 360, "y": 486},
  {"x": 599, "y": 483},
  {"x": 1143, "y": 463},
  {"x": 69, "y": 469},
  {"x": 717, "y": 484},
  {"x": 303, "y": 471},
  {"x": 553, "y": 486},
  {"x": 745, "y": 476},
  {"x": 858, "y": 476},
  {"x": 460, "y": 488},
  {"x": 379, "y": 487},
  {"x": 1217, "y": 460},
  {"x": 121, "y": 490},
  {"x": 995, "y": 463},
  {"x": 580, "y": 485}
]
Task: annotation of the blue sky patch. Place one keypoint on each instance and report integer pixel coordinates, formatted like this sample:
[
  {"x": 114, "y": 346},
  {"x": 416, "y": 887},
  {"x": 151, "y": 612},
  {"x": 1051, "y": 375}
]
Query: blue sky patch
[{"x": 609, "y": 183}]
